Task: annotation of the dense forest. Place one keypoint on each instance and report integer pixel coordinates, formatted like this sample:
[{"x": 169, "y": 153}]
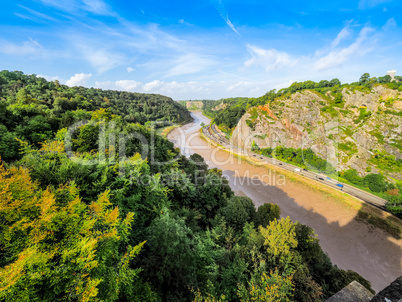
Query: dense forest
[
  {"x": 33, "y": 109},
  {"x": 89, "y": 217}
]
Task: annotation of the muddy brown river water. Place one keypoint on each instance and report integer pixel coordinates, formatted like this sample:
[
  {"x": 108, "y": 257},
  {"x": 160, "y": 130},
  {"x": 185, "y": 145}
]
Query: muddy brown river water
[{"x": 350, "y": 244}]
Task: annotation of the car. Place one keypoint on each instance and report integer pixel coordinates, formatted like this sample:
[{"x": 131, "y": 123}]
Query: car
[
  {"x": 261, "y": 157},
  {"x": 320, "y": 178},
  {"x": 280, "y": 164},
  {"x": 305, "y": 169},
  {"x": 254, "y": 155}
]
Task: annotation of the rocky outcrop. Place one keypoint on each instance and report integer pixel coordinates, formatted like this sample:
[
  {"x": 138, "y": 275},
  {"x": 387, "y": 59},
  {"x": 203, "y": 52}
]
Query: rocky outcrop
[
  {"x": 346, "y": 134},
  {"x": 354, "y": 292},
  {"x": 193, "y": 104}
]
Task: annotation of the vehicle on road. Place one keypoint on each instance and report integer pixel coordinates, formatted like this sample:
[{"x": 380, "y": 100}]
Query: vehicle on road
[{"x": 297, "y": 169}]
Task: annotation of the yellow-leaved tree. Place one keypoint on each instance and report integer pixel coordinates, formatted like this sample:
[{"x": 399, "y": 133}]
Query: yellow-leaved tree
[{"x": 55, "y": 248}]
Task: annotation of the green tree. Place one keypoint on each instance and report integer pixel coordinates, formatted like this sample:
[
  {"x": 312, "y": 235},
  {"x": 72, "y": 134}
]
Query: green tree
[
  {"x": 239, "y": 211},
  {"x": 275, "y": 287},
  {"x": 280, "y": 239},
  {"x": 54, "y": 247},
  {"x": 267, "y": 212},
  {"x": 376, "y": 182},
  {"x": 364, "y": 79},
  {"x": 170, "y": 260}
]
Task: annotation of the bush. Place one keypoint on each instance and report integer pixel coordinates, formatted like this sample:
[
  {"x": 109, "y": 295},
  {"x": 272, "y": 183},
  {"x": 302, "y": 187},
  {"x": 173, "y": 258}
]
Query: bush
[
  {"x": 376, "y": 182},
  {"x": 240, "y": 209},
  {"x": 268, "y": 212},
  {"x": 394, "y": 205}
]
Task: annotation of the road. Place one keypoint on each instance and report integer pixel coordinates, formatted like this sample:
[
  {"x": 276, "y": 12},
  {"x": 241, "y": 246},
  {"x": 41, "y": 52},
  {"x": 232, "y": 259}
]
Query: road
[
  {"x": 214, "y": 134},
  {"x": 350, "y": 244}
]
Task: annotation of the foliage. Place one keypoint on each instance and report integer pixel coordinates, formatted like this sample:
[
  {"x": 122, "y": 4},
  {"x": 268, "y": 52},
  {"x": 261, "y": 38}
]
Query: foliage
[
  {"x": 54, "y": 247},
  {"x": 238, "y": 211},
  {"x": 33, "y": 109},
  {"x": 268, "y": 288},
  {"x": 267, "y": 212},
  {"x": 394, "y": 205},
  {"x": 304, "y": 158}
]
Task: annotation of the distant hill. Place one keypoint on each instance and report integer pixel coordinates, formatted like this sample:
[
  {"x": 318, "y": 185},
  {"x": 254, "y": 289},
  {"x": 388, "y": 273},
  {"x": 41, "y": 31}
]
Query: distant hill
[
  {"x": 351, "y": 129},
  {"x": 34, "y": 109}
]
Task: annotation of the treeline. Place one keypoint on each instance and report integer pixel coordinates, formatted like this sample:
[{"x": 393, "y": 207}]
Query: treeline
[
  {"x": 33, "y": 109},
  {"x": 229, "y": 116},
  {"x": 304, "y": 158},
  {"x": 88, "y": 217}
]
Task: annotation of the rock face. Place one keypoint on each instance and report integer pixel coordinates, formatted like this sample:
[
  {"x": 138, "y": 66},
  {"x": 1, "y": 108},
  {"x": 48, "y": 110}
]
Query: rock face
[
  {"x": 354, "y": 292},
  {"x": 392, "y": 293},
  {"x": 190, "y": 105},
  {"x": 346, "y": 134}
]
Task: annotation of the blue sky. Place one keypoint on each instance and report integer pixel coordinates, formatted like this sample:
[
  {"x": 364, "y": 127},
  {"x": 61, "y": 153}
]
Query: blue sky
[{"x": 200, "y": 49}]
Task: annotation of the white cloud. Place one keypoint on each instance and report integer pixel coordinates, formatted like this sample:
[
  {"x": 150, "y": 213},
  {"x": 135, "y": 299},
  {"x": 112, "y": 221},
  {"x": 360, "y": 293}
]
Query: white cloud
[
  {"x": 338, "y": 56},
  {"x": 181, "y": 21},
  {"x": 363, "y": 4},
  {"x": 342, "y": 35},
  {"x": 222, "y": 11},
  {"x": 152, "y": 86},
  {"x": 38, "y": 14},
  {"x": 30, "y": 47},
  {"x": 128, "y": 85},
  {"x": 270, "y": 59},
  {"x": 391, "y": 23},
  {"x": 79, "y": 79},
  {"x": 189, "y": 63},
  {"x": 65, "y": 5},
  {"x": 102, "y": 59},
  {"x": 130, "y": 69},
  {"x": 97, "y": 7}
]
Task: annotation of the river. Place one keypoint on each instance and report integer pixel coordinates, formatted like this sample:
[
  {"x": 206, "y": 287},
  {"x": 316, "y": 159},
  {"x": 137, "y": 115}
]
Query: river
[{"x": 350, "y": 244}]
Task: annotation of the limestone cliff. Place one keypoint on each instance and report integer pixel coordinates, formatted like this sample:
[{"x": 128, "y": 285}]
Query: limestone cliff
[{"x": 348, "y": 134}]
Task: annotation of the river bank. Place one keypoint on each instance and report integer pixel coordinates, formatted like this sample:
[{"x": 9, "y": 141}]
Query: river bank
[{"x": 350, "y": 244}]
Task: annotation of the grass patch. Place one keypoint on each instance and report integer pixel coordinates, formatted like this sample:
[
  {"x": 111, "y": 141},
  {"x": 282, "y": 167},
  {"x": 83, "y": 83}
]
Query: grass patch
[
  {"x": 166, "y": 130},
  {"x": 348, "y": 147},
  {"x": 377, "y": 134}
]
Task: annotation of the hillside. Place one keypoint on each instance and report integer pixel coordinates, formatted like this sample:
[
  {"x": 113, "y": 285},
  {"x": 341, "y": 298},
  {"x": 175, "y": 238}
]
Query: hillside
[
  {"x": 33, "y": 109},
  {"x": 350, "y": 131},
  {"x": 361, "y": 132}
]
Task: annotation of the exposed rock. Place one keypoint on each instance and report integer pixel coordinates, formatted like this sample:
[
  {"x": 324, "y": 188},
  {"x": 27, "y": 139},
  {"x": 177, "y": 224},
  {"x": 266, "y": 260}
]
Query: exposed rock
[
  {"x": 347, "y": 136},
  {"x": 393, "y": 292},
  {"x": 192, "y": 104},
  {"x": 354, "y": 292}
]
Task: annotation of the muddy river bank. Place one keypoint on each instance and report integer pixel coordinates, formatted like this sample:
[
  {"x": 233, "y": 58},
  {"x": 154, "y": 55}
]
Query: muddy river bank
[{"x": 350, "y": 244}]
